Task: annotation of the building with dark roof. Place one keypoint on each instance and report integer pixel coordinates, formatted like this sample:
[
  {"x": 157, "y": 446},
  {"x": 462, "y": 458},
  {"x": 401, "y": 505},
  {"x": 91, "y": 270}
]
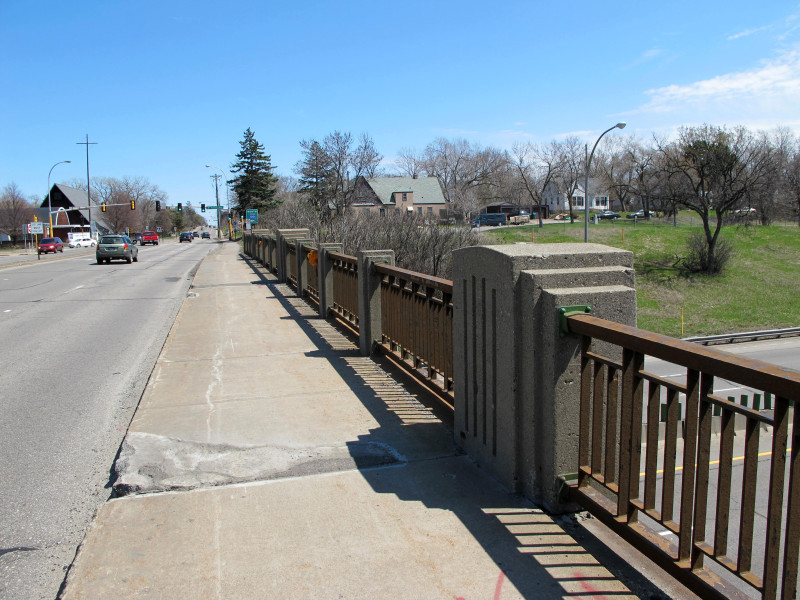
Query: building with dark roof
[{"x": 70, "y": 208}]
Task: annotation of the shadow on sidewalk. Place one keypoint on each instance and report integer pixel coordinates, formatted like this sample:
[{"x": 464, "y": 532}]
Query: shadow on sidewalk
[{"x": 541, "y": 555}]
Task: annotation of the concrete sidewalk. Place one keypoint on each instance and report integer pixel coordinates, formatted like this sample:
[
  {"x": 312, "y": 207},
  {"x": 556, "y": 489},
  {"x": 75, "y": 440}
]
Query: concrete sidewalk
[{"x": 268, "y": 459}]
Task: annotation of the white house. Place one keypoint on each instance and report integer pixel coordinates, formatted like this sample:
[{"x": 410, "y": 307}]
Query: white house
[{"x": 558, "y": 202}]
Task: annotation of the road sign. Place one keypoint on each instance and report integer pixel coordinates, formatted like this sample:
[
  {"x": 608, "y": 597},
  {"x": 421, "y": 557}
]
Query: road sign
[
  {"x": 213, "y": 207},
  {"x": 252, "y": 215},
  {"x": 37, "y": 228}
]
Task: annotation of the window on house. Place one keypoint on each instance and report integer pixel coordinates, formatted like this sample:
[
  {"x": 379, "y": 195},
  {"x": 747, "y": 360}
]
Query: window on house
[
  {"x": 382, "y": 212},
  {"x": 419, "y": 210},
  {"x": 577, "y": 201},
  {"x": 405, "y": 196},
  {"x": 430, "y": 210},
  {"x": 601, "y": 201}
]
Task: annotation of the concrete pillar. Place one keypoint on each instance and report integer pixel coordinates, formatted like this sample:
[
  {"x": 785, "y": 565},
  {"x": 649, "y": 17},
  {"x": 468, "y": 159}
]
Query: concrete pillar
[
  {"x": 516, "y": 379},
  {"x": 283, "y": 236},
  {"x": 325, "y": 276},
  {"x": 302, "y": 260},
  {"x": 369, "y": 297}
]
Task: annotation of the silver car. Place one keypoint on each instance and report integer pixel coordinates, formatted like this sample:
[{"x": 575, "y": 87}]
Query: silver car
[{"x": 116, "y": 246}]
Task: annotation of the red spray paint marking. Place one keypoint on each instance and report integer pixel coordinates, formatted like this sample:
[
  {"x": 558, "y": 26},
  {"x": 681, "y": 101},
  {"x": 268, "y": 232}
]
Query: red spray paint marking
[{"x": 588, "y": 587}]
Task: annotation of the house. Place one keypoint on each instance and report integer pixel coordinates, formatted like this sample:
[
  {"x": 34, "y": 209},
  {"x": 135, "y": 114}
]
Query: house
[
  {"x": 557, "y": 201},
  {"x": 400, "y": 195},
  {"x": 71, "y": 213}
]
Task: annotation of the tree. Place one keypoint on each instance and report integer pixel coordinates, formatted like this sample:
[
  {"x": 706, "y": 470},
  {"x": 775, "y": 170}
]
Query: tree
[
  {"x": 710, "y": 169},
  {"x": 330, "y": 169},
  {"x": 538, "y": 168},
  {"x": 255, "y": 185},
  {"x": 15, "y": 211}
]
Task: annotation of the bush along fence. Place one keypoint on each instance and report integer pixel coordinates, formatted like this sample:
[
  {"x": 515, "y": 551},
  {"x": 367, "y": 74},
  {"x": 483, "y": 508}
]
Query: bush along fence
[{"x": 536, "y": 347}]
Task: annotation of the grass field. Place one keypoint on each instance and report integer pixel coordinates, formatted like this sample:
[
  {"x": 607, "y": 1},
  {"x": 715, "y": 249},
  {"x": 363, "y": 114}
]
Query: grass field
[{"x": 760, "y": 289}]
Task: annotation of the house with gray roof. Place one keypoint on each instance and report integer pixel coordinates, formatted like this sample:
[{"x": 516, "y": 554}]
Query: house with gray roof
[
  {"x": 421, "y": 196},
  {"x": 72, "y": 206}
]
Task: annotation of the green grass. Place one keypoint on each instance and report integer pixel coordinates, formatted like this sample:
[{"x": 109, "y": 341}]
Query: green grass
[{"x": 759, "y": 289}]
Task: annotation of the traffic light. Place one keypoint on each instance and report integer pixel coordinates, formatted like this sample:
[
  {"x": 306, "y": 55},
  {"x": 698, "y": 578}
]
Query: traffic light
[
  {"x": 202, "y": 208},
  {"x": 103, "y": 206},
  {"x": 180, "y": 207},
  {"x": 133, "y": 204},
  {"x": 35, "y": 219},
  {"x": 158, "y": 205}
]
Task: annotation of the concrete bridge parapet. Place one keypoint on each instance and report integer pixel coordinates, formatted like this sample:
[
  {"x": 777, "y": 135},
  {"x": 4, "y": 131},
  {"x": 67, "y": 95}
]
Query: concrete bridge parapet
[{"x": 517, "y": 378}]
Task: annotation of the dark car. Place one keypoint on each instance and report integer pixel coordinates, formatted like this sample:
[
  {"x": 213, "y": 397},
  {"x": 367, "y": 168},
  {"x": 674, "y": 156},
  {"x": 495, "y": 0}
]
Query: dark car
[
  {"x": 205, "y": 235},
  {"x": 186, "y": 236},
  {"x": 609, "y": 215},
  {"x": 137, "y": 238},
  {"x": 640, "y": 214},
  {"x": 195, "y": 234},
  {"x": 493, "y": 219},
  {"x": 116, "y": 246},
  {"x": 52, "y": 244}
]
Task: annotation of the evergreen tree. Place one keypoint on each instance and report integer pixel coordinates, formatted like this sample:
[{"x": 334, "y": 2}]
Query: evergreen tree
[
  {"x": 315, "y": 181},
  {"x": 255, "y": 184}
]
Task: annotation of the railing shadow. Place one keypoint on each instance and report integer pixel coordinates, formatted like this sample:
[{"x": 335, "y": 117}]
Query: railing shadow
[{"x": 411, "y": 455}]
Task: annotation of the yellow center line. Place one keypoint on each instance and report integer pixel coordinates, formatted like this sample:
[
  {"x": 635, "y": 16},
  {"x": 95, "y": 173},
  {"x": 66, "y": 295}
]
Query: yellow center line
[{"x": 716, "y": 462}]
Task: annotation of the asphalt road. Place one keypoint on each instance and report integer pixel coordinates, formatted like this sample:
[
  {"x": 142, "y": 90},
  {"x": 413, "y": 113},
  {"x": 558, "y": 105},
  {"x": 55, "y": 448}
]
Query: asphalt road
[{"x": 79, "y": 341}]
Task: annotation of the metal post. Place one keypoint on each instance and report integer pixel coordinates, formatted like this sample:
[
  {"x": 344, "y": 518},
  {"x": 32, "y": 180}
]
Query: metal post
[{"x": 620, "y": 125}]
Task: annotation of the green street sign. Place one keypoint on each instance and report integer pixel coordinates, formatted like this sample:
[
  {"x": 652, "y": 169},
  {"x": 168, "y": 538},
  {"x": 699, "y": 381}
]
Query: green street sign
[{"x": 212, "y": 207}]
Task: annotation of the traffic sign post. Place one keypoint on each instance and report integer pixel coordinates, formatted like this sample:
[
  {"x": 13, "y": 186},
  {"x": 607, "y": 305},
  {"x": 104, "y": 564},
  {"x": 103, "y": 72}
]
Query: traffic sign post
[{"x": 252, "y": 215}]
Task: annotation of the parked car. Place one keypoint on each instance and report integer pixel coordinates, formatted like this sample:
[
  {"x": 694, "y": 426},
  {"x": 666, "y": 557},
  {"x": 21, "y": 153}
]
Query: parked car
[
  {"x": 117, "y": 247},
  {"x": 51, "y": 244},
  {"x": 608, "y": 215},
  {"x": 185, "y": 236},
  {"x": 205, "y": 235},
  {"x": 82, "y": 244},
  {"x": 745, "y": 212},
  {"x": 149, "y": 237},
  {"x": 493, "y": 219},
  {"x": 640, "y": 214}
]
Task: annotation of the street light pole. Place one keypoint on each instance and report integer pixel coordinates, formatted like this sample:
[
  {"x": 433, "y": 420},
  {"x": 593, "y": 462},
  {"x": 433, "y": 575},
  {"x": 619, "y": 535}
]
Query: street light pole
[
  {"x": 227, "y": 196},
  {"x": 586, "y": 180},
  {"x": 50, "y": 206}
]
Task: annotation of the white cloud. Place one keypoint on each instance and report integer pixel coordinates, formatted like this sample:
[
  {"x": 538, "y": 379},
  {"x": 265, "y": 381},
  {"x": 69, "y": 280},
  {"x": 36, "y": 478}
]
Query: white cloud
[
  {"x": 774, "y": 87},
  {"x": 748, "y": 32}
]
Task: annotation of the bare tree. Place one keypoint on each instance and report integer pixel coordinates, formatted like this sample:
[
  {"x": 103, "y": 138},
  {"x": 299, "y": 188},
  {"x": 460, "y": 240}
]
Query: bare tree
[
  {"x": 15, "y": 211},
  {"x": 568, "y": 179},
  {"x": 711, "y": 169},
  {"x": 538, "y": 166},
  {"x": 409, "y": 163}
]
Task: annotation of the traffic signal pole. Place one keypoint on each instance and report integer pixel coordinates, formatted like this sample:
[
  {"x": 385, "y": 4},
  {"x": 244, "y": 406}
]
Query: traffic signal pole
[{"x": 216, "y": 177}]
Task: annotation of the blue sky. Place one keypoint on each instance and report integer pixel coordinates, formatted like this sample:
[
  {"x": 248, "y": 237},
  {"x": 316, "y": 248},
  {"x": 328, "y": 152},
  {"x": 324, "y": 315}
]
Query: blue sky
[{"x": 167, "y": 87}]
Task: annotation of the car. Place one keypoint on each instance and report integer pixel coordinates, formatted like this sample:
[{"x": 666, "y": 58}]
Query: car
[
  {"x": 493, "y": 219},
  {"x": 50, "y": 244},
  {"x": 640, "y": 214},
  {"x": 205, "y": 235},
  {"x": 82, "y": 244},
  {"x": 185, "y": 236},
  {"x": 116, "y": 246},
  {"x": 608, "y": 215},
  {"x": 195, "y": 234},
  {"x": 137, "y": 238},
  {"x": 149, "y": 237},
  {"x": 745, "y": 212}
]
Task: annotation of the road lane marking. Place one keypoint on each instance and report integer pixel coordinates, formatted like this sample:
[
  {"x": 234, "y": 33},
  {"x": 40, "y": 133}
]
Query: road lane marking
[{"x": 716, "y": 462}]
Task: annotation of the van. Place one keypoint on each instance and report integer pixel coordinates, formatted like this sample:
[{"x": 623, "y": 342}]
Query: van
[{"x": 492, "y": 219}]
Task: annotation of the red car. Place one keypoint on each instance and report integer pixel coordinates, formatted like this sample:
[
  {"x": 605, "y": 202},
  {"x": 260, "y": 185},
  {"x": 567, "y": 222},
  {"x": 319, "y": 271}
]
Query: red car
[{"x": 51, "y": 245}]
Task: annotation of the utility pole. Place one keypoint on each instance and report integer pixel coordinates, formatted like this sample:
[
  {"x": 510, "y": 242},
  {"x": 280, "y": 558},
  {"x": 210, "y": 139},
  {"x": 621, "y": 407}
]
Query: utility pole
[
  {"x": 216, "y": 177},
  {"x": 87, "y": 143}
]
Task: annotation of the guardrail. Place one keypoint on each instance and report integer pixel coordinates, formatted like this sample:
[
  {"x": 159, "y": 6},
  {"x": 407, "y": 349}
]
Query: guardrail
[
  {"x": 663, "y": 484},
  {"x": 417, "y": 322}
]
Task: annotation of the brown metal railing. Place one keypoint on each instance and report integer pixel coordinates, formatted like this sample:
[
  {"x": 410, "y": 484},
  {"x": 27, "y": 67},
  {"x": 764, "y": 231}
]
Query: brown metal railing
[
  {"x": 345, "y": 287},
  {"x": 417, "y": 322},
  {"x": 311, "y": 276},
  {"x": 662, "y": 484},
  {"x": 291, "y": 250}
]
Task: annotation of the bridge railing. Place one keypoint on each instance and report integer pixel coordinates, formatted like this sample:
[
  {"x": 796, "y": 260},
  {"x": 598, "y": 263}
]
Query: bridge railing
[{"x": 664, "y": 478}]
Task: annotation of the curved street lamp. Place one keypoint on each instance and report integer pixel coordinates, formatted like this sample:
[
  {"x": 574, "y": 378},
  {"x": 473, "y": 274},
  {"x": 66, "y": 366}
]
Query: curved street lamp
[
  {"x": 49, "y": 206},
  {"x": 227, "y": 197},
  {"x": 620, "y": 125}
]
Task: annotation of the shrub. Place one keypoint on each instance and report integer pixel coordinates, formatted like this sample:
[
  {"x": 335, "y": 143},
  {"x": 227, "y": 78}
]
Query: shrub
[{"x": 699, "y": 260}]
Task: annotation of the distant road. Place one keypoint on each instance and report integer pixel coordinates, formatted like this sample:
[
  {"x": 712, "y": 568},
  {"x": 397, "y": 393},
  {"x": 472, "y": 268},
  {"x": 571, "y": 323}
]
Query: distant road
[{"x": 79, "y": 341}]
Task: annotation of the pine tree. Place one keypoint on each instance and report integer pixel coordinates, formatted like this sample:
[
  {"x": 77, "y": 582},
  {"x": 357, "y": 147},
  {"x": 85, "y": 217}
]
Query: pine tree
[
  {"x": 255, "y": 184},
  {"x": 315, "y": 181}
]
